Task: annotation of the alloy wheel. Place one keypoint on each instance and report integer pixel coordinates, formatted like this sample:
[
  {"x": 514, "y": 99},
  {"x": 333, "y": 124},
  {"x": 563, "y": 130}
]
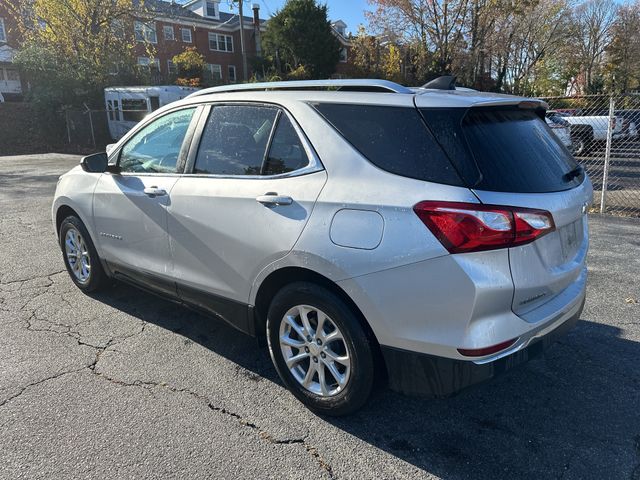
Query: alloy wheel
[
  {"x": 77, "y": 255},
  {"x": 314, "y": 350}
]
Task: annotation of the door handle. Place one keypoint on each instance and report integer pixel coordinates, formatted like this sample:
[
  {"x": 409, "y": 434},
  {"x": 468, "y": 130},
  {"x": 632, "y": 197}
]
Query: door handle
[
  {"x": 154, "y": 191},
  {"x": 272, "y": 199}
]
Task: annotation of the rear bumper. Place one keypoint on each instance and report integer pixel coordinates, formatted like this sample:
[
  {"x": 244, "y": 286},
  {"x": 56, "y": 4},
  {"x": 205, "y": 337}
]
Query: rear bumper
[{"x": 419, "y": 374}]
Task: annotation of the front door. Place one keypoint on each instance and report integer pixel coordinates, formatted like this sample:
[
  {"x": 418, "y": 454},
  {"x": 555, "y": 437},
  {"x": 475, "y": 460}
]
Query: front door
[
  {"x": 130, "y": 207},
  {"x": 252, "y": 185}
]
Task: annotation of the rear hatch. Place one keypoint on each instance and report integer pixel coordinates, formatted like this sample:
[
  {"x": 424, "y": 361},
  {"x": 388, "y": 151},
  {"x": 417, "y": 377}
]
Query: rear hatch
[{"x": 508, "y": 156}]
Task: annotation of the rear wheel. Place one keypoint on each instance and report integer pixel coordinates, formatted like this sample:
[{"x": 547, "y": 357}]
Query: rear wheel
[
  {"x": 582, "y": 137},
  {"x": 80, "y": 256},
  {"x": 319, "y": 349},
  {"x": 581, "y": 146}
]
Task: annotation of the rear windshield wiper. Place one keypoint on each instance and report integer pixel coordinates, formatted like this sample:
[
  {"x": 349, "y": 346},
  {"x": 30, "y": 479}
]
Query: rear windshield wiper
[{"x": 576, "y": 172}]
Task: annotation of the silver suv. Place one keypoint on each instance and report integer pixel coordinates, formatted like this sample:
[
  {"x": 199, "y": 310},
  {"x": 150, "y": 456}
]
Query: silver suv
[{"x": 430, "y": 236}]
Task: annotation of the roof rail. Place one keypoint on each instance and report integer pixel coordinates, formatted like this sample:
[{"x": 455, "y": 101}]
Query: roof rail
[{"x": 382, "y": 86}]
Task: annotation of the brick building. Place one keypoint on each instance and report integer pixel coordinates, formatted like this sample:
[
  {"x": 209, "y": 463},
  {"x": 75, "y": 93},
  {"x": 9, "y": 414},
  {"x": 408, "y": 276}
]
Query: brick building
[
  {"x": 344, "y": 68},
  {"x": 170, "y": 28},
  {"x": 216, "y": 35},
  {"x": 200, "y": 24},
  {"x": 11, "y": 86}
]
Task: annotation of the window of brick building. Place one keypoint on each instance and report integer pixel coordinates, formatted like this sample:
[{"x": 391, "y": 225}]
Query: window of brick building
[
  {"x": 343, "y": 55},
  {"x": 145, "y": 32},
  {"x": 186, "y": 35},
  {"x": 149, "y": 63},
  {"x": 3, "y": 32},
  {"x": 215, "y": 71},
  {"x": 220, "y": 43},
  {"x": 212, "y": 9},
  {"x": 168, "y": 32},
  {"x": 171, "y": 67}
]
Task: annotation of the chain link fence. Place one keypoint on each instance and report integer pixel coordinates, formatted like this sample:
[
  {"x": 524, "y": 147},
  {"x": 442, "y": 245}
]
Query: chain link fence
[
  {"x": 603, "y": 132},
  {"x": 94, "y": 129},
  {"x": 87, "y": 128}
]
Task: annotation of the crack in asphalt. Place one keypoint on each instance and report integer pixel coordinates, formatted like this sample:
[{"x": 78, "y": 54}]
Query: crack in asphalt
[
  {"x": 29, "y": 279},
  {"x": 68, "y": 331},
  {"x": 38, "y": 382},
  {"x": 262, "y": 434}
]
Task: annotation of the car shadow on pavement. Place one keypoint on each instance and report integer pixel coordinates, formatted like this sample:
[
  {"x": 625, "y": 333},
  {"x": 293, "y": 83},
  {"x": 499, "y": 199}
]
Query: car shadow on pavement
[{"x": 574, "y": 411}]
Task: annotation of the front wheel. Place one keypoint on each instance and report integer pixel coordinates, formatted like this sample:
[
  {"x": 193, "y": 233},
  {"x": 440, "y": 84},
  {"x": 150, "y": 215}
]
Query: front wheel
[
  {"x": 319, "y": 349},
  {"x": 80, "y": 256}
]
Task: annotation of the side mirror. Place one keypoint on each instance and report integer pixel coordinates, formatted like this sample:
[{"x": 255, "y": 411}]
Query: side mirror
[{"x": 96, "y": 163}]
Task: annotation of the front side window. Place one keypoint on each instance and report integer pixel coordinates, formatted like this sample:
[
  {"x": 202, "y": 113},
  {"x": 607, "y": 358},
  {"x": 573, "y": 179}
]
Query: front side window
[
  {"x": 155, "y": 148},
  {"x": 186, "y": 35},
  {"x": 234, "y": 140},
  {"x": 145, "y": 32}
]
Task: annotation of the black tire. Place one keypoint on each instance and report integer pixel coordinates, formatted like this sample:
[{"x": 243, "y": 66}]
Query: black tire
[
  {"x": 579, "y": 147},
  {"x": 582, "y": 140},
  {"x": 97, "y": 277},
  {"x": 360, "y": 382}
]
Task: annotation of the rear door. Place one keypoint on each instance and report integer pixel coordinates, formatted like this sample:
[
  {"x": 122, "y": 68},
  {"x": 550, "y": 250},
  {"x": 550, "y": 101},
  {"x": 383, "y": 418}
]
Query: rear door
[
  {"x": 253, "y": 181},
  {"x": 512, "y": 158}
]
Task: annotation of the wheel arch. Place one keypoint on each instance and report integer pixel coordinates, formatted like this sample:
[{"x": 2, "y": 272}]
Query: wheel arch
[
  {"x": 63, "y": 212},
  {"x": 278, "y": 279}
]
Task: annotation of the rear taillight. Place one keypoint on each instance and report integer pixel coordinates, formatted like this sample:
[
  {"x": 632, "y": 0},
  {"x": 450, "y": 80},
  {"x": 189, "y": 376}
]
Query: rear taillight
[{"x": 472, "y": 227}]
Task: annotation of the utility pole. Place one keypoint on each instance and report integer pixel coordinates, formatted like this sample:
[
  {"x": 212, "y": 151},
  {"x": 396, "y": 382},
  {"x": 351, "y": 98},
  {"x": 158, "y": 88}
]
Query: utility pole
[{"x": 242, "y": 48}]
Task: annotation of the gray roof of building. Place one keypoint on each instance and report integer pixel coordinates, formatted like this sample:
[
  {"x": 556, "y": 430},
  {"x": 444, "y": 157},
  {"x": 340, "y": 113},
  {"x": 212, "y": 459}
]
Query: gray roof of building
[{"x": 176, "y": 10}]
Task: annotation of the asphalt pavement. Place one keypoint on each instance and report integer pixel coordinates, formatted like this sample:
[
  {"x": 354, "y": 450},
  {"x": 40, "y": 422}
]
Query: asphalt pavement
[{"x": 122, "y": 384}]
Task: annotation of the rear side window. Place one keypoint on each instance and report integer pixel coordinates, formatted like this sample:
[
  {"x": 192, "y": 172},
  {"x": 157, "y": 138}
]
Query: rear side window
[
  {"x": 394, "y": 139},
  {"x": 511, "y": 150},
  {"x": 286, "y": 153}
]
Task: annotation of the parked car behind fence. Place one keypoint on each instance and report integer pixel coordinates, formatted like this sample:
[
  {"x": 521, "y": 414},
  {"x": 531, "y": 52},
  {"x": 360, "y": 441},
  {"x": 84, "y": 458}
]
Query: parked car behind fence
[{"x": 604, "y": 132}]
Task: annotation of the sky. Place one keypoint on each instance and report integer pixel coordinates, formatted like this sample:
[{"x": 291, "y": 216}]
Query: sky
[{"x": 350, "y": 12}]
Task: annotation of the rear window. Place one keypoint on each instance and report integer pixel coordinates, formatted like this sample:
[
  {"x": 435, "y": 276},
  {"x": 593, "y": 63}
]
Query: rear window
[
  {"x": 394, "y": 139},
  {"x": 503, "y": 149}
]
